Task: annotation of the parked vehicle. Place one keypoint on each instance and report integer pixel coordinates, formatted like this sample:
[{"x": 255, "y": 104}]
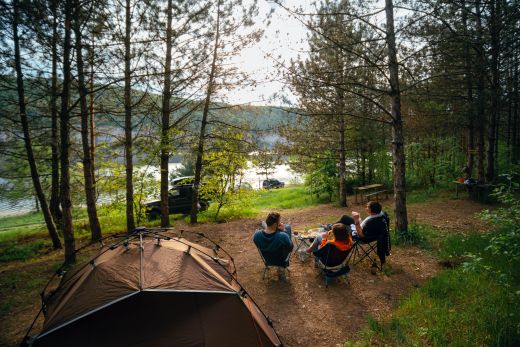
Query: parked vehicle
[
  {"x": 179, "y": 201},
  {"x": 179, "y": 181},
  {"x": 272, "y": 183}
]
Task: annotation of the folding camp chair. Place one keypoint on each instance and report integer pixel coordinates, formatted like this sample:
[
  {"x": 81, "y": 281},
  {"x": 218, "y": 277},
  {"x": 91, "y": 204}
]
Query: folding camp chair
[
  {"x": 374, "y": 249},
  {"x": 279, "y": 259},
  {"x": 331, "y": 261}
]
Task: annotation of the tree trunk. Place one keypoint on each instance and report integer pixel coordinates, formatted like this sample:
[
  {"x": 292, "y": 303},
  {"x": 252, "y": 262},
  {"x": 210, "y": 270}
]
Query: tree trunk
[
  {"x": 469, "y": 90},
  {"x": 55, "y": 156},
  {"x": 90, "y": 184},
  {"x": 130, "y": 223},
  {"x": 165, "y": 145},
  {"x": 342, "y": 164},
  {"x": 51, "y": 228},
  {"x": 401, "y": 218},
  {"x": 66, "y": 204},
  {"x": 202, "y": 134},
  {"x": 91, "y": 111},
  {"x": 495, "y": 89},
  {"x": 515, "y": 148},
  {"x": 480, "y": 95}
]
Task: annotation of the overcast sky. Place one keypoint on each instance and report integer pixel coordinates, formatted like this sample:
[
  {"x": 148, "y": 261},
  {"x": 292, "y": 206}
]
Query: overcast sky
[{"x": 283, "y": 39}]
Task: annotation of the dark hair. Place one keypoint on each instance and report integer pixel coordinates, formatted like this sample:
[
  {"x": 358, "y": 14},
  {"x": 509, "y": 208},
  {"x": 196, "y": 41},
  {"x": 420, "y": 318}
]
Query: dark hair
[
  {"x": 340, "y": 232},
  {"x": 272, "y": 218},
  {"x": 374, "y": 207},
  {"x": 347, "y": 220}
]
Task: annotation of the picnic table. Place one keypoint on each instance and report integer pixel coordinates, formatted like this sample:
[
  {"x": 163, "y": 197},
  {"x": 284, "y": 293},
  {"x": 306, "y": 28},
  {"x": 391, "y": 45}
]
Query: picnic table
[{"x": 369, "y": 191}]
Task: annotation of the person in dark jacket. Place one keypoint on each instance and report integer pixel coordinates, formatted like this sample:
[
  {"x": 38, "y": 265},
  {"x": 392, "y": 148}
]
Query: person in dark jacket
[
  {"x": 374, "y": 228},
  {"x": 276, "y": 238}
]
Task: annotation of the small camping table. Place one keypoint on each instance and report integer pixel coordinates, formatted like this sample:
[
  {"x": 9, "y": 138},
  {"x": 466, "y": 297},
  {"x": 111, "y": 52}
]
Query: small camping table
[
  {"x": 366, "y": 189},
  {"x": 303, "y": 240},
  {"x": 457, "y": 185}
]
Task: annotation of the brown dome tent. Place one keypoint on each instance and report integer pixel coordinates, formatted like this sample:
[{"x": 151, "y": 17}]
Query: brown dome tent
[{"x": 151, "y": 289}]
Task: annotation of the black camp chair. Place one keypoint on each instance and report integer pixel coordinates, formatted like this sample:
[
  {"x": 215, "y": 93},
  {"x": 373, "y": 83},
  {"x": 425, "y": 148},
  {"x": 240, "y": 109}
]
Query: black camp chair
[
  {"x": 331, "y": 261},
  {"x": 279, "y": 258},
  {"x": 374, "y": 249}
]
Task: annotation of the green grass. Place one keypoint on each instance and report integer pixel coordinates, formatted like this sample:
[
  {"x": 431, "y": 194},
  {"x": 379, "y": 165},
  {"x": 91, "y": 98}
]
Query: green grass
[
  {"x": 287, "y": 198},
  {"x": 455, "y": 308},
  {"x": 275, "y": 199},
  {"x": 474, "y": 304},
  {"x": 422, "y": 196},
  {"x": 21, "y": 220},
  {"x": 13, "y": 250}
]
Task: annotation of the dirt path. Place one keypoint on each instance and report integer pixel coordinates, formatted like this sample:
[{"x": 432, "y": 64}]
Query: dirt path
[{"x": 303, "y": 311}]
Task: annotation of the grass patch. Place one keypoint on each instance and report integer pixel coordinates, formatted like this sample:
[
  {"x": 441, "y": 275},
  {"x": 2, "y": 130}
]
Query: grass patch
[
  {"x": 475, "y": 304},
  {"x": 13, "y": 250},
  {"x": 275, "y": 199},
  {"x": 421, "y": 196},
  {"x": 287, "y": 198},
  {"x": 21, "y": 220},
  {"x": 455, "y": 308}
]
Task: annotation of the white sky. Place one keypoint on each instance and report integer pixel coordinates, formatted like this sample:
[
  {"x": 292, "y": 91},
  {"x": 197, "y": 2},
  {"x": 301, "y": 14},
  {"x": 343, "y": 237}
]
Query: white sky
[{"x": 283, "y": 40}]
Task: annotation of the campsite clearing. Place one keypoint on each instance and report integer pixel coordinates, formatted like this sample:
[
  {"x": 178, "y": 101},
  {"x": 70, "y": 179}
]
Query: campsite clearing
[{"x": 303, "y": 311}]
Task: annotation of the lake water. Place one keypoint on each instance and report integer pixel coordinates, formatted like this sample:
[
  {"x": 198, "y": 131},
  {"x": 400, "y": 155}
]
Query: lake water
[{"x": 281, "y": 172}]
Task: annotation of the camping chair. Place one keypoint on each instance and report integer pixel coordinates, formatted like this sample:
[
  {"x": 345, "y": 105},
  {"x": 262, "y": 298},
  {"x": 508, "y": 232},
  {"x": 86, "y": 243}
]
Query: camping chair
[
  {"x": 372, "y": 249},
  {"x": 331, "y": 261},
  {"x": 279, "y": 258}
]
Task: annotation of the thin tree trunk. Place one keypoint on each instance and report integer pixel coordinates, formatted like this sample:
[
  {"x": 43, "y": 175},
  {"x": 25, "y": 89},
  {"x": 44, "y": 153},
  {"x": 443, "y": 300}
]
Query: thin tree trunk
[
  {"x": 469, "y": 90},
  {"x": 495, "y": 89},
  {"x": 480, "y": 95},
  {"x": 202, "y": 135},
  {"x": 401, "y": 218},
  {"x": 66, "y": 203},
  {"x": 91, "y": 111},
  {"x": 509, "y": 112},
  {"x": 165, "y": 143},
  {"x": 90, "y": 184},
  {"x": 55, "y": 156},
  {"x": 51, "y": 228},
  {"x": 130, "y": 223},
  {"x": 342, "y": 164},
  {"x": 515, "y": 155}
]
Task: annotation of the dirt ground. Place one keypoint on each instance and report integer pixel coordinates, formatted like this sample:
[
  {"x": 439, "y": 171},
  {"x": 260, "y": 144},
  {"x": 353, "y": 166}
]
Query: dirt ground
[{"x": 303, "y": 311}]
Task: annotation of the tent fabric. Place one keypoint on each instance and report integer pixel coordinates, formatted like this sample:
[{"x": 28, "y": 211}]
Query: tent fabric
[
  {"x": 149, "y": 293},
  {"x": 153, "y": 318}
]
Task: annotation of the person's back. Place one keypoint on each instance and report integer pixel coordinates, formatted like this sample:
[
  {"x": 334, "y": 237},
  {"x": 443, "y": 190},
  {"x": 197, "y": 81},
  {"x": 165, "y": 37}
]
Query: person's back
[
  {"x": 274, "y": 242},
  {"x": 271, "y": 242},
  {"x": 374, "y": 227}
]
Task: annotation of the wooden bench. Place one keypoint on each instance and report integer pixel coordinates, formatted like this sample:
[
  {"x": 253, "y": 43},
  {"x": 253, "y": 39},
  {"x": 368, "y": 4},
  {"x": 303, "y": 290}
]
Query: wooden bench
[{"x": 376, "y": 194}]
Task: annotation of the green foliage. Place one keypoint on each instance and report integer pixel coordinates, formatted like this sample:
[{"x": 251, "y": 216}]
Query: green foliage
[
  {"x": 505, "y": 242},
  {"x": 224, "y": 169},
  {"x": 323, "y": 179},
  {"x": 433, "y": 162},
  {"x": 415, "y": 235}
]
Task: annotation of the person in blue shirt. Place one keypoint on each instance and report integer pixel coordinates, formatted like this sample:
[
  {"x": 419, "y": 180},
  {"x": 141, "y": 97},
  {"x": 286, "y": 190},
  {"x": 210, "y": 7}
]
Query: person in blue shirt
[{"x": 275, "y": 240}]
